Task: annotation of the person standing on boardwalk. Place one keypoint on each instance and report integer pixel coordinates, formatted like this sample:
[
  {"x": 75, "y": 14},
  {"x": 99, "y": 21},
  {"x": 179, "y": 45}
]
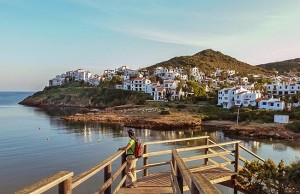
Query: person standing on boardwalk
[{"x": 131, "y": 159}]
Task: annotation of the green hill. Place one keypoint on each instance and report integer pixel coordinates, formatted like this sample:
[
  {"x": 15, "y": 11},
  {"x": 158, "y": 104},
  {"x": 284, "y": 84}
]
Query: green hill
[
  {"x": 209, "y": 60},
  {"x": 282, "y": 67},
  {"x": 79, "y": 96}
]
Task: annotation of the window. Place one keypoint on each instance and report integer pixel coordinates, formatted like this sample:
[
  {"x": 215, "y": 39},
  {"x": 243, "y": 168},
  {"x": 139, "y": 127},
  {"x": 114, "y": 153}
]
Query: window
[
  {"x": 271, "y": 104},
  {"x": 277, "y": 105},
  {"x": 264, "y": 103}
]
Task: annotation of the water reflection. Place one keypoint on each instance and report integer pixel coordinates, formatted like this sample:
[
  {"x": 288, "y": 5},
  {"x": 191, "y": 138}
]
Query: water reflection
[
  {"x": 98, "y": 132},
  {"x": 61, "y": 111}
]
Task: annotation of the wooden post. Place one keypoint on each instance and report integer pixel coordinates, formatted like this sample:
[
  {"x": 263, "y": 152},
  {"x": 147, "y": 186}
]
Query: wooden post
[
  {"x": 65, "y": 187},
  {"x": 107, "y": 175},
  {"x": 174, "y": 163},
  {"x": 236, "y": 166},
  {"x": 179, "y": 179},
  {"x": 124, "y": 170},
  {"x": 146, "y": 170},
  {"x": 194, "y": 189},
  {"x": 206, "y": 152}
]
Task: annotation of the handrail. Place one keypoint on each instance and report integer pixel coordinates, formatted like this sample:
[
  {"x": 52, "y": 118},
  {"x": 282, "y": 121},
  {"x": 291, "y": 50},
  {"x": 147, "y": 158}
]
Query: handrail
[
  {"x": 92, "y": 171},
  {"x": 253, "y": 154},
  {"x": 206, "y": 146},
  {"x": 192, "y": 158},
  {"x": 179, "y": 170},
  {"x": 174, "y": 182},
  {"x": 175, "y": 140},
  {"x": 198, "y": 183},
  {"x": 63, "y": 179},
  {"x": 147, "y": 154},
  {"x": 240, "y": 157}
]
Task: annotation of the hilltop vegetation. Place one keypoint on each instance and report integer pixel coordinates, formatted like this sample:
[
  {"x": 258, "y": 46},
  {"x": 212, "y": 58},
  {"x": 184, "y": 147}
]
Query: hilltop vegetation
[
  {"x": 292, "y": 65},
  {"x": 208, "y": 60},
  {"x": 81, "y": 95}
]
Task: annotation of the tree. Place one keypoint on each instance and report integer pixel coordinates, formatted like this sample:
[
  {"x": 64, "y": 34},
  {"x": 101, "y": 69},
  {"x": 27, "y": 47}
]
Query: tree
[
  {"x": 262, "y": 88},
  {"x": 223, "y": 75},
  {"x": 194, "y": 87},
  {"x": 179, "y": 85},
  {"x": 267, "y": 177},
  {"x": 116, "y": 80}
]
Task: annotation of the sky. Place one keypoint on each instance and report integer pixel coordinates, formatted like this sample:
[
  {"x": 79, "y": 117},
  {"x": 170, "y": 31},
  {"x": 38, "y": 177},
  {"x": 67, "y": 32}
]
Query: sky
[{"x": 40, "y": 39}]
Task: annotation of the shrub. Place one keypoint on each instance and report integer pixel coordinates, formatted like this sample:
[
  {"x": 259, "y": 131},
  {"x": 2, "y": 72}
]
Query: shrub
[
  {"x": 267, "y": 177},
  {"x": 165, "y": 112},
  {"x": 295, "y": 126},
  {"x": 181, "y": 106}
]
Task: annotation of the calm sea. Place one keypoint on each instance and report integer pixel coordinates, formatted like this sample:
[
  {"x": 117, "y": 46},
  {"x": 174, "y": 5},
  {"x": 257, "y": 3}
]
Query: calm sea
[{"x": 36, "y": 143}]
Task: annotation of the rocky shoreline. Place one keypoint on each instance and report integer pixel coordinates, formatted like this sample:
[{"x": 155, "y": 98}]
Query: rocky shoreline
[
  {"x": 144, "y": 117},
  {"x": 260, "y": 130},
  {"x": 140, "y": 119}
]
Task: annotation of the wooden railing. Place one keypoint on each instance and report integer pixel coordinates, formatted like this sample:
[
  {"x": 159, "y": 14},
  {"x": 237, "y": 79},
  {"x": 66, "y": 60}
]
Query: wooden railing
[
  {"x": 148, "y": 154},
  {"x": 63, "y": 179},
  {"x": 179, "y": 172},
  {"x": 199, "y": 183}
]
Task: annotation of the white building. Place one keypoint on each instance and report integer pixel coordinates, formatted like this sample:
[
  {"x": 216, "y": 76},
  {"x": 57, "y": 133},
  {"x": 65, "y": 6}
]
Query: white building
[
  {"x": 270, "y": 103},
  {"x": 77, "y": 75},
  {"x": 109, "y": 73},
  {"x": 197, "y": 75},
  {"x": 171, "y": 87},
  {"x": 95, "y": 80},
  {"x": 237, "y": 96},
  {"x": 141, "y": 84},
  {"x": 281, "y": 89},
  {"x": 81, "y": 74},
  {"x": 58, "y": 80}
]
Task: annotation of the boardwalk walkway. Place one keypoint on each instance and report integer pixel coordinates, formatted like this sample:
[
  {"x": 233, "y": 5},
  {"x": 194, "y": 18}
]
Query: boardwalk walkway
[
  {"x": 154, "y": 183},
  {"x": 214, "y": 164}
]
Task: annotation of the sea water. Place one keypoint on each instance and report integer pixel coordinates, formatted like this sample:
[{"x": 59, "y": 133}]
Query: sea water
[{"x": 36, "y": 143}]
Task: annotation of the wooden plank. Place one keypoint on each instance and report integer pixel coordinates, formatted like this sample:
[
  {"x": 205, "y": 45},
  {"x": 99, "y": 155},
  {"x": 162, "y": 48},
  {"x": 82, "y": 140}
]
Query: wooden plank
[
  {"x": 206, "y": 167},
  {"x": 206, "y": 146},
  {"x": 157, "y": 153},
  {"x": 154, "y": 183},
  {"x": 223, "y": 157},
  {"x": 185, "y": 171},
  {"x": 92, "y": 171},
  {"x": 174, "y": 182},
  {"x": 203, "y": 185},
  {"x": 215, "y": 175},
  {"x": 175, "y": 140},
  {"x": 120, "y": 184},
  {"x": 192, "y": 158},
  {"x": 46, "y": 183},
  {"x": 153, "y": 165},
  {"x": 214, "y": 162}
]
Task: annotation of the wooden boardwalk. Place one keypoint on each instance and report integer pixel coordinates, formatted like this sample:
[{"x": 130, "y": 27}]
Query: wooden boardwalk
[
  {"x": 216, "y": 165},
  {"x": 154, "y": 183}
]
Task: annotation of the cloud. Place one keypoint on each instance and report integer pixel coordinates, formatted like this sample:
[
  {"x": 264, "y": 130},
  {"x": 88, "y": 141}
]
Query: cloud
[{"x": 178, "y": 38}]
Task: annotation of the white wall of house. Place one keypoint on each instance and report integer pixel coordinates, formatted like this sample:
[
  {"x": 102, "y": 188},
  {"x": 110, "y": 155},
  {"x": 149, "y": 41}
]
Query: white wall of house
[
  {"x": 95, "y": 80},
  {"x": 140, "y": 84},
  {"x": 237, "y": 96},
  {"x": 270, "y": 104},
  {"x": 281, "y": 89}
]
